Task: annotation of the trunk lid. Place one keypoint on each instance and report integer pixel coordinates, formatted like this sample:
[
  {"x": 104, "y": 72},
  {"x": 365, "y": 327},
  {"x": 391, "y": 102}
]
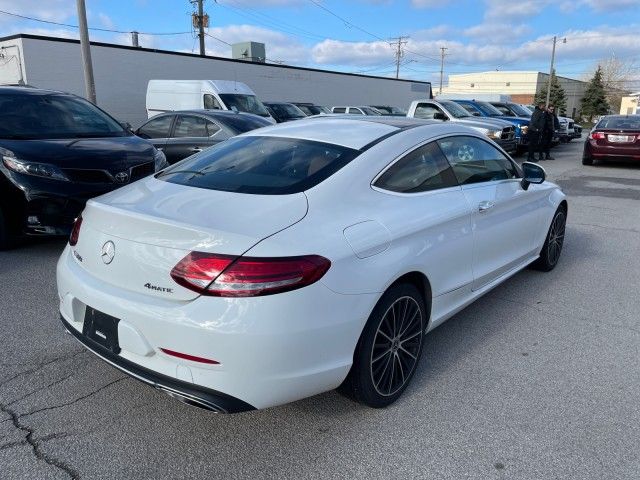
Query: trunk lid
[{"x": 149, "y": 226}]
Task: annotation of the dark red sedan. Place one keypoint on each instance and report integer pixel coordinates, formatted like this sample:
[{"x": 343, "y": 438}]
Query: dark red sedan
[{"x": 615, "y": 137}]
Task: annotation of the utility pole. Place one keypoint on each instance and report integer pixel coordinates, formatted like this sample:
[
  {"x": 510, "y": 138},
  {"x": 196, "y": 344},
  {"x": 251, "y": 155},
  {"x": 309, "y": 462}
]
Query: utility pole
[
  {"x": 399, "y": 52},
  {"x": 442, "y": 54},
  {"x": 553, "y": 59},
  {"x": 89, "y": 83},
  {"x": 200, "y": 21},
  {"x": 134, "y": 39}
]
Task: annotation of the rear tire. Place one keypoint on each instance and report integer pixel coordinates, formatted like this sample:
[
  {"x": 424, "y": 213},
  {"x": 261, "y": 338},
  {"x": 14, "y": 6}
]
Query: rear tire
[
  {"x": 389, "y": 348},
  {"x": 552, "y": 248},
  {"x": 587, "y": 160}
]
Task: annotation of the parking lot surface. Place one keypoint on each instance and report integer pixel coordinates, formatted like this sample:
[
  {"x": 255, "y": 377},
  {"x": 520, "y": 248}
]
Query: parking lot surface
[{"x": 540, "y": 379}]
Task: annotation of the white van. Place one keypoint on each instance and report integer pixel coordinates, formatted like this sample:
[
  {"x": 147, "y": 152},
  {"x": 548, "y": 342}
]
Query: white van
[{"x": 170, "y": 95}]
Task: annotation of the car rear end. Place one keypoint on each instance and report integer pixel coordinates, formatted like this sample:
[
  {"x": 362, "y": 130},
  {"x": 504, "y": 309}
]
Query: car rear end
[
  {"x": 159, "y": 280},
  {"x": 608, "y": 144}
]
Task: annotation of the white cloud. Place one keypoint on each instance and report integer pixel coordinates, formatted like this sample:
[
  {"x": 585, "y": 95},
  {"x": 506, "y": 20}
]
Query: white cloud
[
  {"x": 497, "y": 32},
  {"x": 106, "y": 21},
  {"x": 52, "y": 10}
]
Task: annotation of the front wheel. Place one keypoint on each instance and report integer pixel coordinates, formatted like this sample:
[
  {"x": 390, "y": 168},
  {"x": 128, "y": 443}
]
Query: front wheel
[
  {"x": 5, "y": 237},
  {"x": 552, "y": 248},
  {"x": 389, "y": 348}
]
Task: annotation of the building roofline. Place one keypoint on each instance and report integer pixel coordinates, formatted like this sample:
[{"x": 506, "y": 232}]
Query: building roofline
[
  {"x": 194, "y": 55},
  {"x": 514, "y": 72}
]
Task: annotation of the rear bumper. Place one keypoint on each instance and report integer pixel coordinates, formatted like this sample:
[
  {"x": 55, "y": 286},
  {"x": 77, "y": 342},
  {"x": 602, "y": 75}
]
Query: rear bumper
[
  {"x": 184, "y": 391},
  {"x": 271, "y": 350},
  {"x": 592, "y": 149}
]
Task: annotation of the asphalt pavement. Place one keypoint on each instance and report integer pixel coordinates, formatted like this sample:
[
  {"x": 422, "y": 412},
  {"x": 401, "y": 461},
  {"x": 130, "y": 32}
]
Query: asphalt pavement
[{"x": 540, "y": 379}]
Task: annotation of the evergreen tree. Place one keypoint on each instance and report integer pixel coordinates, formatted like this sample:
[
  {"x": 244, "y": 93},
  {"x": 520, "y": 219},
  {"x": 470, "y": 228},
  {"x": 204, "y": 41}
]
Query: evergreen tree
[
  {"x": 594, "y": 102},
  {"x": 558, "y": 96}
]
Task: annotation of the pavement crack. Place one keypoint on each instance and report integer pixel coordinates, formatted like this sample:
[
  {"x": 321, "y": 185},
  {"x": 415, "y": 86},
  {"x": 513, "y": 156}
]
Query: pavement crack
[
  {"x": 35, "y": 444},
  {"x": 40, "y": 366},
  {"x": 618, "y": 229},
  {"x": 40, "y": 389},
  {"x": 17, "y": 443},
  {"x": 72, "y": 402}
]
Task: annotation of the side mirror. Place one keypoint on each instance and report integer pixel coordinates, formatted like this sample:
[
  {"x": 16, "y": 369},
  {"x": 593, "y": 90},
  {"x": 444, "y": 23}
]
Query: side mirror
[
  {"x": 533, "y": 173},
  {"x": 127, "y": 126},
  {"x": 440, "y": 116}
]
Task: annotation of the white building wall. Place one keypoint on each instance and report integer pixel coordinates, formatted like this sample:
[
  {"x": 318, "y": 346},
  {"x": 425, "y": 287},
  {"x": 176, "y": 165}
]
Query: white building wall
[
  {"x": 12, "y": 69},
  {"x": 121, "y": 76}
]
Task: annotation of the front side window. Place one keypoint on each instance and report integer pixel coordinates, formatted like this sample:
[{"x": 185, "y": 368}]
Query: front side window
[
  {"x": 339, "y": 110},
  {"x": 475, "y": 160},
  {"x": 156, "y": 128},
  {"x": 455, "y": 109},
  {"x": 472, "y": 109},
  {"x": 504, "y": 110},
  {"x": 426, "y": 110},
  {"x": 261, "y": 165},
  {"x": 33, "y": 117},
  {"x": 424, "y": 169},
  {"x": 211, "y": 102},
  {"x": 355, "y": 111}
]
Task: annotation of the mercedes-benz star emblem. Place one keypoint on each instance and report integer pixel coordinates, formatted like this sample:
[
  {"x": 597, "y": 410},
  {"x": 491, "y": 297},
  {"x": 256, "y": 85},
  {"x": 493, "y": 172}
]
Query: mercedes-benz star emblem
[
  {"x": 122, "y": 177},
  {"x": 108, "y": 252}
]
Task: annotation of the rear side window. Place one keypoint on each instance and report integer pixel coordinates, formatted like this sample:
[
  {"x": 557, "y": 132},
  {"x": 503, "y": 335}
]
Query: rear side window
[
  {"x": 261, "y": 165},
  {"x": 339, "y": 110},
  {"x": 355, "y": 111},
  {"x": 474, "y": 160},
  {"x": 156, "y": 128},
  {"x": 424, "y": 169},
  {"x": 192, "y": 126}
]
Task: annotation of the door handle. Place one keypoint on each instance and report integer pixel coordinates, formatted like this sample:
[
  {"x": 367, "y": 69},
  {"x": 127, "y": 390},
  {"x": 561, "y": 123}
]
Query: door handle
[
  {"x": 196, "y": 149},
  {"x": 485, "y": 205}
]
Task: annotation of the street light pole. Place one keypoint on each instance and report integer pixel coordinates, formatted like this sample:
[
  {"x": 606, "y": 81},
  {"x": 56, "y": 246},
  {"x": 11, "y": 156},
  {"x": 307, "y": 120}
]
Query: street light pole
[
  {"x": 553, "y": 58},
  {"x": 85, "y": 46}
]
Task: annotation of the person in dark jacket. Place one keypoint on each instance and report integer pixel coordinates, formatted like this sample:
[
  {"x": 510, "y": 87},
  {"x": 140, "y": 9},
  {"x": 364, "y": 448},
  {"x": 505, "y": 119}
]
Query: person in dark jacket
[
  {"x": 551, "y": 124},
  {"x": 536, "y": 130}
]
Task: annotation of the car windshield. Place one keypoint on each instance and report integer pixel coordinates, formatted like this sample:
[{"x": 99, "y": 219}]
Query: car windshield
[
  {"x": 243, "y": 123},
  {"x": 621, "y": 123},
  {"x": 488, "y": 109},
  {"x": 33, "y": 117},
  {"x": 261, "y": 165},
  {"x": 454, "y": 109},
  {"x": 286, "y": 110},
  {"x": 519, "y": 110},
  {"x": 244, "y": 103}
]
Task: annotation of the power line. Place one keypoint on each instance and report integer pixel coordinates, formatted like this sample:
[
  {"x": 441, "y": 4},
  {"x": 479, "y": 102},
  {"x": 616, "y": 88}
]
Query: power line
[
  {"x": 345, "y": 21},
  {"x": 24, "y": 17}
]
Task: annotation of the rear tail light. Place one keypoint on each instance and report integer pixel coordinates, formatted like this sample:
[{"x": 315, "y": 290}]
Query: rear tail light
[
  {"x": 597, "y": 136},
  {"x": 226, "y": 276},
  {"x": 75, "y": 231}
]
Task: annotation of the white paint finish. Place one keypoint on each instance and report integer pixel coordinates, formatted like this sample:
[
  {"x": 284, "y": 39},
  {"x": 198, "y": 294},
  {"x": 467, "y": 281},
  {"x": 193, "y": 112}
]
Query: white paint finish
[
  {"x": 130, "y": 339},
  {"x": 121, "y": 77},
  {"x": 368, "y": 238},
  {"x": 309, "y": 335}
]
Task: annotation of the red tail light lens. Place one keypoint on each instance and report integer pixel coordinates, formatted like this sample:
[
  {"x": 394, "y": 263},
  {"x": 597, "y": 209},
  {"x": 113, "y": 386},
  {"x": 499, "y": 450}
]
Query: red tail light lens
[
  {"x": 224, "y": 276},
  {"x": 597, "y": 136},
  {"x": 75, "y": 232}
]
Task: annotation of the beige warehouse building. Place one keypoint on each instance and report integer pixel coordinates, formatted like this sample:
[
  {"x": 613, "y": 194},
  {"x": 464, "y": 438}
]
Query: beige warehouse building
[{"x": 522, "y": 86}]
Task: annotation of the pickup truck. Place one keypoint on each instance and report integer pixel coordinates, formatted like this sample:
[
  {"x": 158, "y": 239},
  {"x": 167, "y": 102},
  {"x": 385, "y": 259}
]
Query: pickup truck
[{"x": 500, "y": 131}]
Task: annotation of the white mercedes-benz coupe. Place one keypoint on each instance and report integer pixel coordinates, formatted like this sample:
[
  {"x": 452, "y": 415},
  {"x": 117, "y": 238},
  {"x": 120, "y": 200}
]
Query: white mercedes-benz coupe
[{"x": 302, "y": 257}]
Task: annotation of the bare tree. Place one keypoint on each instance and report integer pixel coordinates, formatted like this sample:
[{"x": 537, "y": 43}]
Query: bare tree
[{"x": 617, "y": 76}]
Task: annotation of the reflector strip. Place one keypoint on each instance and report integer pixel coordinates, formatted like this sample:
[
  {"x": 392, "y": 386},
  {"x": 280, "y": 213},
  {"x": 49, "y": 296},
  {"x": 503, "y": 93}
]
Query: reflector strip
[{"x": 186, "y": 356}]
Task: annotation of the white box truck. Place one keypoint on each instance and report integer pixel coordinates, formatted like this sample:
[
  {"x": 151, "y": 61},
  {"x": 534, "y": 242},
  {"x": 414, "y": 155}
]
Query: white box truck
[{"x": 170, "y": 95}]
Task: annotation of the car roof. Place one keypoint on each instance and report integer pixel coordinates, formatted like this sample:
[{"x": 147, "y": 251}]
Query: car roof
[
  {"x": 27, "y": 90},
  {"x": 211, "y": 113},
  {"x": 346, "y": 130}
]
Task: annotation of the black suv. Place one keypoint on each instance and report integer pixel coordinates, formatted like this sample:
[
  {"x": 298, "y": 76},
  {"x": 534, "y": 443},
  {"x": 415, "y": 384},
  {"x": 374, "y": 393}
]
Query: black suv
[{"x": 57, "y": 151}]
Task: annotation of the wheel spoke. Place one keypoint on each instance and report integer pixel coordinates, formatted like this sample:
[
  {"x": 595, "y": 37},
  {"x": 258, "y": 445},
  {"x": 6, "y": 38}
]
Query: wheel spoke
[
  {"x": 402, "y": 349},
  {"x": 386, "y": 352},
  {"x": 402, "y": 342}
]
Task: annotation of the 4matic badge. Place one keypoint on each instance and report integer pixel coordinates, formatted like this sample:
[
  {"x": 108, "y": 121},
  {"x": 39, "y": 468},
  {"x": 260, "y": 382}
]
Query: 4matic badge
[{"x": 158, "y": 289}]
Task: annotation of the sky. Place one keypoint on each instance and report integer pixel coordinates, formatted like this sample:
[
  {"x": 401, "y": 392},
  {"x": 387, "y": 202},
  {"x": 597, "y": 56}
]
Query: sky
[{"x": 357, "y": 36}]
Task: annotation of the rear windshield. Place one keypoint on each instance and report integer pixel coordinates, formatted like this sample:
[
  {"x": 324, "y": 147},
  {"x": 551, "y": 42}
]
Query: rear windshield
[
  {"x": 261, "y": 165},
  {"x": 287, "y": 110},
  {"x": 243, "y": 123},
  {"x": 622, "y": 123},
  {"x": 33, "y": 117}
]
